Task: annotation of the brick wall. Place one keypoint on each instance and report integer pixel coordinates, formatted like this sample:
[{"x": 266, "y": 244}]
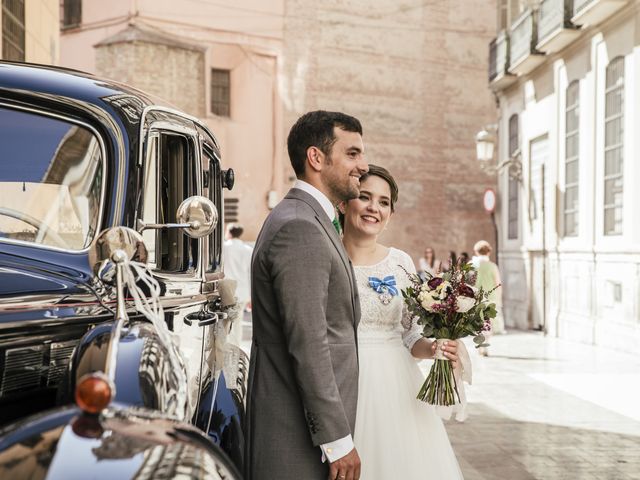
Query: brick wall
[{"x": 415, "y": 75}]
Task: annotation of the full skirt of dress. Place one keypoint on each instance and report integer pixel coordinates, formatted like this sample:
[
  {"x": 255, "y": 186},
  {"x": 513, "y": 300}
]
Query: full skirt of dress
[{"x": 396, "y": 435}]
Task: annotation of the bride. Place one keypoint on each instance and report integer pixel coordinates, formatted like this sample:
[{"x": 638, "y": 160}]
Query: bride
[{"x": 396, "y": 435}]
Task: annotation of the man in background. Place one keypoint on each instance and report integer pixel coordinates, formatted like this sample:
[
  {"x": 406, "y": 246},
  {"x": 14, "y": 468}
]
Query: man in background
[{"x": 236, "y": 256}]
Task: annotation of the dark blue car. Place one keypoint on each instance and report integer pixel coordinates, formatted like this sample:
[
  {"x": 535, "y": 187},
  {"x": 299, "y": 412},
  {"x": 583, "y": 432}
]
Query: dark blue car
[{"x": 80, "y": 155}]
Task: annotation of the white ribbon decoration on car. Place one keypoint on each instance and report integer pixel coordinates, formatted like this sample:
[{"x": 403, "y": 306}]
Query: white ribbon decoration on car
[{"x": 151, "y": 308}]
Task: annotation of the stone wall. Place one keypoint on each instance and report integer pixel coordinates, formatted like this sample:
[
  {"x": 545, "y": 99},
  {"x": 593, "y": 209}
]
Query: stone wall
[{"x": 174, "y": 74}]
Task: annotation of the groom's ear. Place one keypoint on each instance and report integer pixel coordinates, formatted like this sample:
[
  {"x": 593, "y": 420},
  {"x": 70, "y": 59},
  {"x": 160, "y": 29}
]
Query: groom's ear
[{"x": 315, "y": 158}]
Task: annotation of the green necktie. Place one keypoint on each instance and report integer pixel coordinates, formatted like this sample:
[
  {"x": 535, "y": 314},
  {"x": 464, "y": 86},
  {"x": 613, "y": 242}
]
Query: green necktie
[{"x": 336, "y": 224}]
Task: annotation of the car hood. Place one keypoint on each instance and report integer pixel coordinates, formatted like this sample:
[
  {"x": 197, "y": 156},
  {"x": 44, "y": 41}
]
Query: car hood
[{"x": 29, "y": 271}]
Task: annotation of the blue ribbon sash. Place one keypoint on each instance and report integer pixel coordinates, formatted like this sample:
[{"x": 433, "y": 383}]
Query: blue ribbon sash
[{"x": 387, "y": 284}]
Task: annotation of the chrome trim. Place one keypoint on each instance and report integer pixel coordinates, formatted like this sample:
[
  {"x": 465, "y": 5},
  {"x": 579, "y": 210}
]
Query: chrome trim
[
  {"x": 104, "y": 177},
  {"x": 185, "y": 301},
  {"x": 178, "y": 113},
  {"x": 157, "y": 127},
  {"x": 121, "y": 318}
]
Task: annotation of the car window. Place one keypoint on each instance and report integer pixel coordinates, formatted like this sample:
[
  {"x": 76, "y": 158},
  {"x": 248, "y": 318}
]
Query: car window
[
  {"x": 170, "y": 176},
  {"x": 51, "y": 180}
]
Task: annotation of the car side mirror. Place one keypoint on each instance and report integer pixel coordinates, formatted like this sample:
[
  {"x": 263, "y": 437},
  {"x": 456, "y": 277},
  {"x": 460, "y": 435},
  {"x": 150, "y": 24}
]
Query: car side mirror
[
  {"x": 196, "y": 215},
  {"x": 199, "y": 215}
]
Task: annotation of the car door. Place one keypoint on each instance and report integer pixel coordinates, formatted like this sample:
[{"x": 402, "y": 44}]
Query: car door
[{"x": 172, "y": 172}]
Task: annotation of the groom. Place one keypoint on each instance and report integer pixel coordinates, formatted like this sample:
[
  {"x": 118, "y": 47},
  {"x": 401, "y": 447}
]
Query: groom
[{"x": 303, "y": 376}]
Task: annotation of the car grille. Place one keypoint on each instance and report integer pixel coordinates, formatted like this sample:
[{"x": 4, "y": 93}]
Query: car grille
[{"x": 35, "y": 366}]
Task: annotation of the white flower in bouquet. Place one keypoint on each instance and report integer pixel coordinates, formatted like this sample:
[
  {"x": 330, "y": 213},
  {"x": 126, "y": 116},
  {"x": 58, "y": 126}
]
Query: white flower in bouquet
[
  {"x": 464, "y": 304},
  {"x": 427, "y": 300}
]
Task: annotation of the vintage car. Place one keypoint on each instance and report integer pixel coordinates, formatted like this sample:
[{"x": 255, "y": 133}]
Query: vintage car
[{"x": 86, "y": 377}]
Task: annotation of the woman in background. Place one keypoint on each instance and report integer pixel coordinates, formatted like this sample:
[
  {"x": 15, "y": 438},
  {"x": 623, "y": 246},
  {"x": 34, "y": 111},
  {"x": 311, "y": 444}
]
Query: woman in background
[
  {"x": 488, "y": 278},
  {"x": 429, "y": 263}
]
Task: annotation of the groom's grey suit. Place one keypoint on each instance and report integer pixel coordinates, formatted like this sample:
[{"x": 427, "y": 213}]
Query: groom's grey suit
[{"x": 303, "y": 376}]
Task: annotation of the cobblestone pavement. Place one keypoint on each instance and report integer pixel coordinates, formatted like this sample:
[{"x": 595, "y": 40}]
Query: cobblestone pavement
[
  {"x": 542, "y": 408},
  {"x": 548, "y": 409}
]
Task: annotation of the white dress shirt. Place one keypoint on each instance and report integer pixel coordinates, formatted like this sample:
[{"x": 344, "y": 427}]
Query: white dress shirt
[
  {"x": 237, "y": 265},
  {"x": 338, "y": 448}
]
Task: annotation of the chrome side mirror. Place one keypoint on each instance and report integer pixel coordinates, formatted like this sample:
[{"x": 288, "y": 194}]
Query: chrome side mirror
[
  {"x": 197, "y": 215},
  {"x": 112, "y": 246},
  {"x": 200, "y": 216}
]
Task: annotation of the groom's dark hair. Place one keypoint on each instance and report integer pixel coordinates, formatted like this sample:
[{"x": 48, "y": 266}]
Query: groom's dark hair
[{"x": 315, "y": 129}]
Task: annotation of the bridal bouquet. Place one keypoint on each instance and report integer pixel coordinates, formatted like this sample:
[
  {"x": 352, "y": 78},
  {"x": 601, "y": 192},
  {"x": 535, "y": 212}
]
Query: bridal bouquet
[{"x": 448, "y": 307}]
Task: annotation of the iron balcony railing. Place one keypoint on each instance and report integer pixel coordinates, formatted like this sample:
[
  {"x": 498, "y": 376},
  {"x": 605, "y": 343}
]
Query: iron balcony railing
[
  {"x": 498, "y": 56},
  {"x": 553, "y": 16},
  {"x": 523, "y": 36}
]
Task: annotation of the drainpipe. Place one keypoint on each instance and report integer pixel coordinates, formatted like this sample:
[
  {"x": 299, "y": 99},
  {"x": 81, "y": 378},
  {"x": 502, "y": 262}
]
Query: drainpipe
[
  {"x": 544, "y": 252},
  {"x": 596, "y": 65}
]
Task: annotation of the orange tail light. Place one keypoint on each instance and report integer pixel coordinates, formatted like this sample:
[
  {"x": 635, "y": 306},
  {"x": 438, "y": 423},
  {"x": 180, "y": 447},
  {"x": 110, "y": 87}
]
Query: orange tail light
[{"x": 94, "y": 392}]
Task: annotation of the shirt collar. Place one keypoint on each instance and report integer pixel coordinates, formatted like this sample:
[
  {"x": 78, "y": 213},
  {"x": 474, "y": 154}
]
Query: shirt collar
[{"x": 322, "y": 199}]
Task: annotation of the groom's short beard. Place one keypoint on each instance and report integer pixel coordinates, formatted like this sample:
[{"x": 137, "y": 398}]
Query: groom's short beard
[{"x": 341, "y": 191}]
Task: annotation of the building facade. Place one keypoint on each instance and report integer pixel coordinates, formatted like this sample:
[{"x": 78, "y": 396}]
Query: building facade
[
  {"x": 215, "y": 60},
  {"x": 567, "y": 77},
  {"x": 412, "y": 73},
  {"x": 30, "y": 31}
]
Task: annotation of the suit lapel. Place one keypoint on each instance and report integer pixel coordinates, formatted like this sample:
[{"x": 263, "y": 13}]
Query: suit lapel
[{"x": 331, "y": 232}]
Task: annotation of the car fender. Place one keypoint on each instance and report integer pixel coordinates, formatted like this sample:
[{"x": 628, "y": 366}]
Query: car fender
[{"x": 123, "y": 443}]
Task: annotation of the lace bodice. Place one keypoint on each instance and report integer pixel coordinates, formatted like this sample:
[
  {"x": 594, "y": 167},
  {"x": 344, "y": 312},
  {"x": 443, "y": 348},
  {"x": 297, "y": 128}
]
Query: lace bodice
[{"x": 393, "y": 318}]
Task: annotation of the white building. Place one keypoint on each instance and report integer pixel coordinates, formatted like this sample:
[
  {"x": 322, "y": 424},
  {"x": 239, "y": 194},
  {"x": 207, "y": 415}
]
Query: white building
[{"x": 566, "y": 75}]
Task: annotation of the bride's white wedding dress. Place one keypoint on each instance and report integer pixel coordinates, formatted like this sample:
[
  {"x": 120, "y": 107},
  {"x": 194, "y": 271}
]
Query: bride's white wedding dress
[{"x": 396, "y": 435}]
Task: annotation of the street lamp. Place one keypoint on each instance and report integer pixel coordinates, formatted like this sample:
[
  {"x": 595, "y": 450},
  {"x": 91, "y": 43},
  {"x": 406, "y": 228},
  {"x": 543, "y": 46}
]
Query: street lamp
[
  {"x": 485, "y": 142},
  {"x": 485, "y": 145}
]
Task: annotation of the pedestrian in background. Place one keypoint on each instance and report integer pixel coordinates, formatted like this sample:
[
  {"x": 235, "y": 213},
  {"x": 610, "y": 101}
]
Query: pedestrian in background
[
  {"x": 429, "y": 263},
  {"x": 236, "y": 256},
  {"x": 488, "y": 278},
  {"x": 450, "y": 262}
]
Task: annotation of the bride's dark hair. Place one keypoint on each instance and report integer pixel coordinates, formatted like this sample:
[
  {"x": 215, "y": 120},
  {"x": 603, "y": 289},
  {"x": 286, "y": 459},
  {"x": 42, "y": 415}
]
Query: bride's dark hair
[{"x": 383, "y": 173}]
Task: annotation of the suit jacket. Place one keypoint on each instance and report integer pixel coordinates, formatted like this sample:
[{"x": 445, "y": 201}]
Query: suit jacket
[{"x": 303, "y": 374}]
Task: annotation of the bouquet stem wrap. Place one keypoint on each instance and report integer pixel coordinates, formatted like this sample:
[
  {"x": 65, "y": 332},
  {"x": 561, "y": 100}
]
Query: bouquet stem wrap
[
  {"x": 440, "y": 387},
  {"x": 444, "y": 386}
]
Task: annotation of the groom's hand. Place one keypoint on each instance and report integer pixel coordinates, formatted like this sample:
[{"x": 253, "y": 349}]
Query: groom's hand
[{"x": 346, "y": 468}]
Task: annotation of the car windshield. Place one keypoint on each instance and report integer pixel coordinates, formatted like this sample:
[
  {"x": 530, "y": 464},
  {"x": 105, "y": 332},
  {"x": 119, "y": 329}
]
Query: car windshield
[{"x": 51, "y": 174}]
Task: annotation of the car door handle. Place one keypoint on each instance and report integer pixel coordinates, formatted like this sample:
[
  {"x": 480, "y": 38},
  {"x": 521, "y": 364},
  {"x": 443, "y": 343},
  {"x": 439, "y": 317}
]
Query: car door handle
[{"x": 201, "y": 318}]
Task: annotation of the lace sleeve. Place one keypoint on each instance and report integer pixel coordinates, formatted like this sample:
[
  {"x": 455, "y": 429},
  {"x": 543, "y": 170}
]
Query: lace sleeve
[{"x": 411, "y": 331}]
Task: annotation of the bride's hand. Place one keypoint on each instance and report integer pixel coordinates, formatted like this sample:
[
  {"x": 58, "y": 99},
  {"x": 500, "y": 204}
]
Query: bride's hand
[{"x": 450, "y": 349}]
